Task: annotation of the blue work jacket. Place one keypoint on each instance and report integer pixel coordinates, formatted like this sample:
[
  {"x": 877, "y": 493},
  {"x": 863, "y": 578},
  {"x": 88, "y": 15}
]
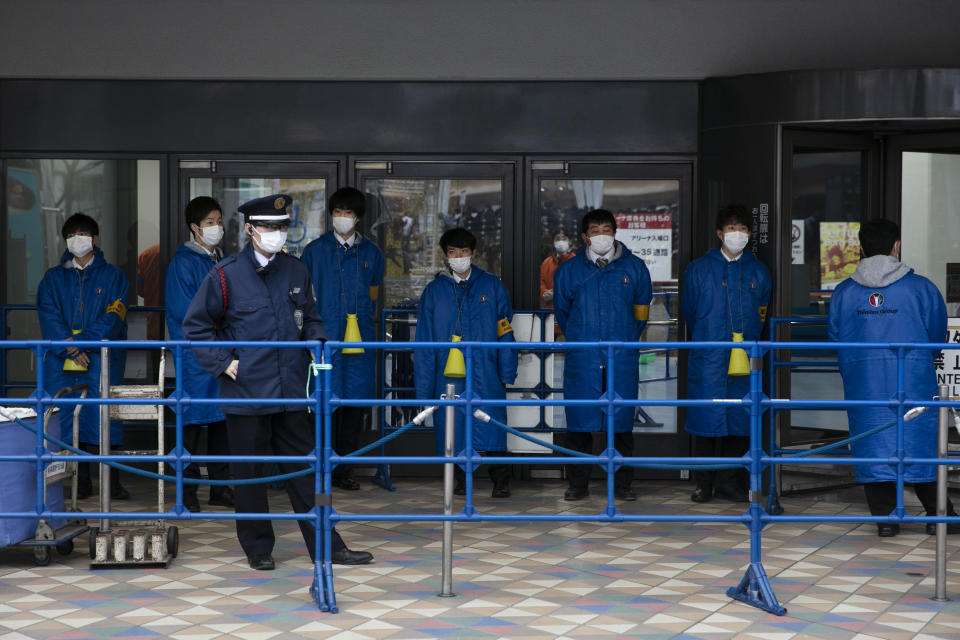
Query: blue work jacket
[
  {"x": 609, "y": 304},
  {"x": 718, "y": 298},
  {"x": 94, "y": 301},
  {"x": 909, "y": 310},
  {"x": 342, "y": 278},
  {"x": 477, "y": 309},
  {"x": 189, "y": 266},
  {"x": 270, "y": 303}
]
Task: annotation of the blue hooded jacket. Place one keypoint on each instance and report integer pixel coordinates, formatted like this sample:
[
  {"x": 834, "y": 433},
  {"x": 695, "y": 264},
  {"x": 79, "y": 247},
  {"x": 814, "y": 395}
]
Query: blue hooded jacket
[
  {"x": 342, "y": 279},
  {"x": 885, "y": 301},
  {"x": 189, "y": 266},
  {"x": 714, "y": 306},
  {"x": 270, "y": 303},
  {"x": 609, "y": 304},
  {"x": 477, "y": 309},
  {"x": 94, "y": 301}
]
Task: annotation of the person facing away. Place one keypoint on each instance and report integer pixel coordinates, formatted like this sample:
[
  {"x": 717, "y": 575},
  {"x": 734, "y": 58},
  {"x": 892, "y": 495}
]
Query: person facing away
[
  {"x": 263, "y": 294},
  {"x": 602, "y": 294},
  {"x": 84, "y": 298},
  {"x": 190, "y": 264},
  {"x": 465, "y": 302},
  {"x": 724, "y": 292},
  {"x": 346, "y": 269},
  {"x": 885, "y": 301}
]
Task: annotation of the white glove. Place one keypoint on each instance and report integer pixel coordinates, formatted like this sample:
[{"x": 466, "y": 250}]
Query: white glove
[{"x": 231, "y": 369}]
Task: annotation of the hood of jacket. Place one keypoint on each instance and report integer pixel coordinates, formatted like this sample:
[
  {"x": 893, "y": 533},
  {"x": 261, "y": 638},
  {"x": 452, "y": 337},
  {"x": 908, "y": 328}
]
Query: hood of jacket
[{"x": 880, "y": 271}]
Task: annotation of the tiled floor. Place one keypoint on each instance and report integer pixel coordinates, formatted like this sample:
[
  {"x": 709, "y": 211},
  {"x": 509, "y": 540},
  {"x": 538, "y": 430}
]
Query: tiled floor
[{"x": 544, "y": 580}]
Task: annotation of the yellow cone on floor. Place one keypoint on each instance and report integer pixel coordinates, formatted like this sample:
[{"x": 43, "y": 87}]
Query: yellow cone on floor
[
  {"x": 739, "y": 363},
  {"x": 352, "y": 334},
  {"x": 456, "y": 367},
  {"x": 70, "y": 365}
]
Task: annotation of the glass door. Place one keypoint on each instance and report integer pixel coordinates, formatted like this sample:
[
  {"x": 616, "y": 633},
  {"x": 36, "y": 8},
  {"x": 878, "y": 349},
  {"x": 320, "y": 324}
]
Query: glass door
[
  {"x": 830, "y": 185},
  {"x": 652, "y": 204},
  {"x": 233, "y": 182}
]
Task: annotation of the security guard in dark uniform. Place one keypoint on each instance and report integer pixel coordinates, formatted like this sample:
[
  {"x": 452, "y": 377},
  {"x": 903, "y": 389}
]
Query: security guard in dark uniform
[{"x": 263, "y": 294}]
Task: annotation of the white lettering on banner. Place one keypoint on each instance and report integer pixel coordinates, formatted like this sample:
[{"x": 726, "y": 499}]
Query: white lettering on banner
[
  {"x": 948, "y": 361},
  {"x": 650, "y": 237}
]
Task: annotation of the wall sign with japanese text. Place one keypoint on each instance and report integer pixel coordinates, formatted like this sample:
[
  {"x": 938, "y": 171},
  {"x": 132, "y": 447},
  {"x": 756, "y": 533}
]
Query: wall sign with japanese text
[
  {"x": 650, "y": 237},
  {"x": 948, "y": 362}
]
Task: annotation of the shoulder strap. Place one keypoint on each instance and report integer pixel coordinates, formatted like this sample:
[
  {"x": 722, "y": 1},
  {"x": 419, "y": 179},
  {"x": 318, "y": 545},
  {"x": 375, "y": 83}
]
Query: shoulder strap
[{"x": 223, "y": 289}]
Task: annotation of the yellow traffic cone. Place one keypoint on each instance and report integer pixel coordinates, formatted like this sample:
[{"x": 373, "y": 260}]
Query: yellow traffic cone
[
  {"x": 70, "y": 365},
  {"x": 456, "y": 367},
  {"x": 739, "y": 363},
  {"x": 352, "y": 334}
]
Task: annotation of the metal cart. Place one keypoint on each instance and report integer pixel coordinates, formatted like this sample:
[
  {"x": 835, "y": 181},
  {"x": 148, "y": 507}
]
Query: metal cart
[
  {"x": 143, "y": 542},
  {"x": 47, "y": 535}
]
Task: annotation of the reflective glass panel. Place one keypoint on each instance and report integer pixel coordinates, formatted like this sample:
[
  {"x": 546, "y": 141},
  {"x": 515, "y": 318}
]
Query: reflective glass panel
[
  {"x": 412, "y": 213},
  {"x": 308, "y": 210},
  {"x": 123, "y": 196}
]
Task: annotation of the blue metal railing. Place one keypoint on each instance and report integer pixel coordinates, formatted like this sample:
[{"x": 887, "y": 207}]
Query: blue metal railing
[
  {"x": 755, "y": 587},
  {"x": 541, "y": 390}
]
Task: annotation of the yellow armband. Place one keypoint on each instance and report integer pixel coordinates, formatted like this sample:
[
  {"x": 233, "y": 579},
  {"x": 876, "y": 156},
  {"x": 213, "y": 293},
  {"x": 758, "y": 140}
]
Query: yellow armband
[
  {"x": 641, "y": 312},
  {"x": 503, "y": 327},
  {"x": 118, "y": 308},
  {"x": 763, "y": 312}
]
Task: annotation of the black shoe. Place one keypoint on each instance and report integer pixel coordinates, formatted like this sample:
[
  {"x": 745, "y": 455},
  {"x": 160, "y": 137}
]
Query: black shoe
[
  {"x": 84, "y": 490},
  {"x": 702, "y": 494},
  {"x": 222, "y": 498},
  {"x": 346, "y": 556},
  {"x": 500, "y": 491},
  {"x": 117, "y": 492},
  {"x": 887, "y": 529},
  {"x": 191, "y": 503},
  {"x": 262, "y": 563},
  {"x": 459, "y": 489},
  {"x": 346, "y": 482},
  {"x": 952, "y": 528},
  {"x": 625, "y": 494},
  {"x": 573, "y": 494},
  {"x": 731, "y": 493}
]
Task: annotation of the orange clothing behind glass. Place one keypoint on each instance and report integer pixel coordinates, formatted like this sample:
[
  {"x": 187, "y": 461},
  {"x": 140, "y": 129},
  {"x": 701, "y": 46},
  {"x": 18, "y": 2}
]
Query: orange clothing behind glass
[{"x": 547, "y": 269}]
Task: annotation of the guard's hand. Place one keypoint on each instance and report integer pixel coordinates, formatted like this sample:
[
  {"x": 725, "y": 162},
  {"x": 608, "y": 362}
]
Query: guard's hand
[
  {"x": 82, "y": 359},
  {"x": 231, "y": 369},
  {"x": 72, "y": 351}
]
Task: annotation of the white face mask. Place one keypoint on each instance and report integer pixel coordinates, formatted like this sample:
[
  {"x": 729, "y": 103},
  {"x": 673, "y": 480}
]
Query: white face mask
[
  {"x": 211, "y": 236},
  {"x": 79, "y": 246},
  {"x": 735, "y": 241},
  {"x": 271, "y": 241},
  {"x": 459, "y": 265},
  {"x": 601, "y": 244},
  {"x": 343, "y": 224},
  {"x": 562, "y": 246}
]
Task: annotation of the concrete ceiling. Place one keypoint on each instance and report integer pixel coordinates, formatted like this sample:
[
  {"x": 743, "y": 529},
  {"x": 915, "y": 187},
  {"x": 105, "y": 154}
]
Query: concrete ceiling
[{"x": 468, "y": 40}]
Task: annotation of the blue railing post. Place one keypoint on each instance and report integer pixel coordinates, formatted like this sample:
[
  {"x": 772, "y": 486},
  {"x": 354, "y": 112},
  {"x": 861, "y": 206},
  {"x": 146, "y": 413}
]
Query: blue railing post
[
  {"x": 899, "y": 512},
  {"x": 609, "y": 451},
  {"x": 325, "y": 594},
  {"x": 468, "y": 448},
  {"x": 178, "y": 425}
]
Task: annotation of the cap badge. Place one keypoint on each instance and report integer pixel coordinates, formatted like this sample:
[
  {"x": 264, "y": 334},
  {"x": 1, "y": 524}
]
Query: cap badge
[{"x": 279, "y": 204}]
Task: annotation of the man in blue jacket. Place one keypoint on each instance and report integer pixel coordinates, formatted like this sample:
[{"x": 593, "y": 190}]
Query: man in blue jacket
[
  {"x": 193, "y": 260},
  {"x": 263, "y": 294},
  {"x": 885, "y": 301},
  {"x": 467, "y": 302},
  {"x": 346, "y": 269},
  {"x": 84, "y": 298},
  {"x": 724, "y": 292},
  {"x": 602, "y": 294}
]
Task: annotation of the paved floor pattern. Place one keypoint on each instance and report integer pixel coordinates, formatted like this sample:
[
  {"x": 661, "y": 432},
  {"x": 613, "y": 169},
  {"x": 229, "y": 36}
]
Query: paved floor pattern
[{"x": 512, "y": 580}]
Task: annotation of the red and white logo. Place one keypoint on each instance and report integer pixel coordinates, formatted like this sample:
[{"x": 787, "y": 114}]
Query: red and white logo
[{"x": 876, "y": 299}]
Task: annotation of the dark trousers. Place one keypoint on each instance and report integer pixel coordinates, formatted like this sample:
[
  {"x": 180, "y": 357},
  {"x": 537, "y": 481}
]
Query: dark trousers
[
  {"x": 217, "y": 445},
  {"x": 726, "y": 447},
  {"x": 578, "y": 475},
  {"x": 499, "y": 473},
  {"x": 882, "y": 497},
  {"x": 347, "y": 424},
  {"x": 289, "y": 433},
  {"x": 84, "y": 469}
]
